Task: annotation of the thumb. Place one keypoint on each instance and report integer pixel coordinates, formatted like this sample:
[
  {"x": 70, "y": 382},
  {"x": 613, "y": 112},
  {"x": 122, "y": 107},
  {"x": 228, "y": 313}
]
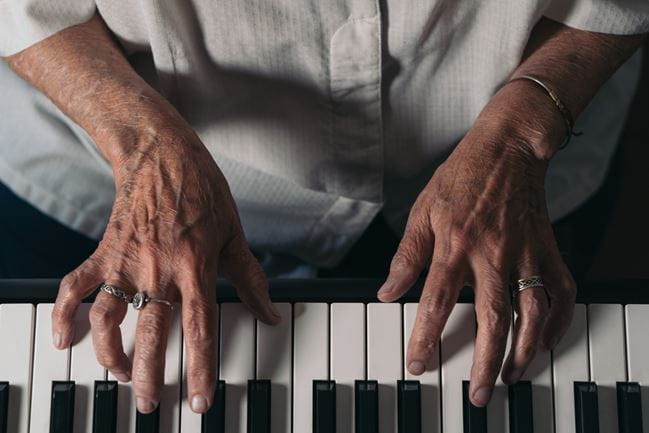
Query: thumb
[
  {"x": 243, "y": 270},
  {"x": 415, "y": 250},
  {"x": 74, "y": 287}
]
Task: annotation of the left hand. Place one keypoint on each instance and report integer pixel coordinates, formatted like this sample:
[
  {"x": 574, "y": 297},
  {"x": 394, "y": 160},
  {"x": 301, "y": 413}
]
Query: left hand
[{"x": 482, "y": 221}]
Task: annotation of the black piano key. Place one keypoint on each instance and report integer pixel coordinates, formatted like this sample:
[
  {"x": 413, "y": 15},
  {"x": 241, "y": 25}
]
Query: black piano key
[
  {"x": 629, "y": 407},
  {"x": 586, "y": 410},
  {"x": 62, "y": 407},
  {"x": 409, "y": 406},
  {"x": 366, "y": 396},
  {"x": 474, "y": 418},
  {"x": 520, "y": 407},
  {"x": 213, "y": 421},
  {"x": 259, "y": 406},
  {"x": 149, "y": 422},
  {"x": 4, "y": 406},
  {"x": 324, "y": 406},
  {"x": 104, "y": 417}
]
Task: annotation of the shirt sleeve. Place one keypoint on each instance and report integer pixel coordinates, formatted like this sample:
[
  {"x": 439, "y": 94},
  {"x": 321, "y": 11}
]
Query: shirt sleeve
[
  {"x": 25, "y": 22},
  {"x": 620, "y": 17}
]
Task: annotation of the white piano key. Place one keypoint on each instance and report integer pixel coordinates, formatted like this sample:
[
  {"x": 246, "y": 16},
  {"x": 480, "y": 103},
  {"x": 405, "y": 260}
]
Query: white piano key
[
  {"x": 607, "y": 359},
  {"x": 126, "y": 411},
  {"x": 274, "y": 363},
  {"x": 84, "y": 370},
  {"x": 190, "y": 422},
  {"x": 49, "y": 364},
  {"x": 384, "y": 355},
  {"x": 17, "y": 339},
  {"x": 237, "y": 364},
  {"x": 310, "y": 359},
  {"x": 430, "y": 380},
  {"x": 637, "y": 324},
  {"x": 457, "y": 353},
  {"x": 498, "y": 407},
  {"x": 347, "y": 356},
  {"x": 539, "y": 373},
  {"x": 170, "y": 395},
  {"x": 570, "y": 365}
]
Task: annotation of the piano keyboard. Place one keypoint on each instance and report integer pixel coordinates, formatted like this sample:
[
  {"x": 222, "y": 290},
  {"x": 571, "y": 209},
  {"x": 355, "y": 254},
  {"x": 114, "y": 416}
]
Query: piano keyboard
[{"x": 334, "y": 364}]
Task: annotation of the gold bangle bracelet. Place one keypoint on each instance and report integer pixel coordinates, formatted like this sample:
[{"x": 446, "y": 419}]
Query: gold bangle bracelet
[{"x": 565, "y": 113}]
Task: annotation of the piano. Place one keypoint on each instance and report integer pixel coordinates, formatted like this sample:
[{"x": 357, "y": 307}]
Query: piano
[{"x": 334, "y": 364}]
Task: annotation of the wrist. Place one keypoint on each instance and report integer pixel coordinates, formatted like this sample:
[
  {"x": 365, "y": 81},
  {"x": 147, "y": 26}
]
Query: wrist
[
  {"x": 526, "y": 118},
  {"x": 146, "y": 123}
]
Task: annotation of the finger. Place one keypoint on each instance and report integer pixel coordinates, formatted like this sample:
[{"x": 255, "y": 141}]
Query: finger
[
  {"x": 562, "y": 291},
  {"x": 199, "y": 331},
  {"x": 415, "y": 250},
  {"x": 74, "y": 287},
  {"x": 439, "y": 295},
  {"x": 149, "y": 360},
  {"x": 531, "y": 306},
  {"x": 244, "y": 271},
  {"x": 106, "y": 314},
  {"x": 493, "y": 314}
]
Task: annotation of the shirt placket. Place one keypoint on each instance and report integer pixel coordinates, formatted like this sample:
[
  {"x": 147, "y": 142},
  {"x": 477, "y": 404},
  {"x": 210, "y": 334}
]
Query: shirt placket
[{"x": 355, "y": 86}]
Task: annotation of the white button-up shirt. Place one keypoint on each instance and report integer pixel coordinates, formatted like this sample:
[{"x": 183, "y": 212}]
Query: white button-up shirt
[{"x": 321, "y": 114}]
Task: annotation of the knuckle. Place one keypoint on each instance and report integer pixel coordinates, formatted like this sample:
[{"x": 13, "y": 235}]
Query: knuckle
[
  {"x": 68, "y": 281},
  {"x": 70, "y": 287},
  {"x": 108, "y": 360},
  {"x": 257, "y": 277},
  {"x": 436, "y": 302},
  {"x": 101, "y": 317},
  {"x": 63, "y": 311},
  {"x": 569, "y": 286},
  {"x": 495, "y": 318},
  {"x": 198, "y": 329},
  {"x": 404, "y": 260},
  {"x": 412, "y": 253},
  {"x": 151, "y": 328},
  {"x": 535, "y": 308},
  {"x": 527, "y": 352},
  {"x": 458, "y": 237}
]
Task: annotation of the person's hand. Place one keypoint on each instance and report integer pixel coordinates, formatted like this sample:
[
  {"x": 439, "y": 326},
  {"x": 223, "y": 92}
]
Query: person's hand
[
  {"x": 482, "y": 221},
  {"x": 173, "y": 224}
]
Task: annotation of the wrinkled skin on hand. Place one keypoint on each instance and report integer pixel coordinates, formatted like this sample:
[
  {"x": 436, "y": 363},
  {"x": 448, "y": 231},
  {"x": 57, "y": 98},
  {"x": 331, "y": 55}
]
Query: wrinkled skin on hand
[
  {"x": 482, "y": 221},
  {"x": 173, "y": 225}
]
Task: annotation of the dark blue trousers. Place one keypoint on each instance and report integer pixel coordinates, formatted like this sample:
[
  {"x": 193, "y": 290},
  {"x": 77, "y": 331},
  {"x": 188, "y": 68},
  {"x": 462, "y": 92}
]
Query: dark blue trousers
[{"x": 33, "y": 245}]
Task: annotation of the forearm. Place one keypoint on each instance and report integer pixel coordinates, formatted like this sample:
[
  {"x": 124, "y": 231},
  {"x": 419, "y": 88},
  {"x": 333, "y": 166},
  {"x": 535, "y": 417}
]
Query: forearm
[
  {"x": 83, "y": 71},
  {"x": 575, "y": 63}
]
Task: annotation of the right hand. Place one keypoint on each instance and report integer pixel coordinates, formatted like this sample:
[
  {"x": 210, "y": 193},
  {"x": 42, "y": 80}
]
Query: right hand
[{"x": 173, "y": 224}]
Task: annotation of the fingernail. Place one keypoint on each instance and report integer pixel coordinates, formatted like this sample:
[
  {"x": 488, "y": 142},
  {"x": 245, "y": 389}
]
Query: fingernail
[
  {"x": 199, "y": 404},
  {"x": 122, "y": 377},
  {"x": 58, "y": 340},
  {"x": 416, "y": 368},
  {"x": 144, "y": 405},
  {"x": 482, "y": 395}
]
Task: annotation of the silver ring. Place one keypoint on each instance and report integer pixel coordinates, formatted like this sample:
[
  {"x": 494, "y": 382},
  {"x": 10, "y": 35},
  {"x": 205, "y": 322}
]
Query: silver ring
[
  {"x": 529, "y": 283},
  {"x": 138, "y": 301}
]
